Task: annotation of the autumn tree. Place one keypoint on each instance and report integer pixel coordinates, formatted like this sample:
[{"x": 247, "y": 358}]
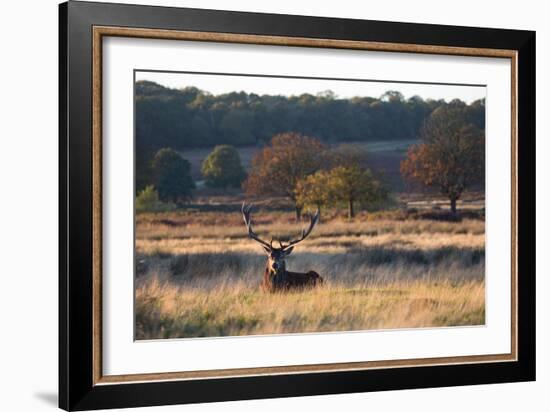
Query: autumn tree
[
  {"x": 277, "y": 168},
  {"x": 451, "y": 155},
  {"x": 314, "y": 190},
  {"x": 223, "y": 167},
  {"x": 172, "y": 176},
  {"x": 351, "y": 184}
]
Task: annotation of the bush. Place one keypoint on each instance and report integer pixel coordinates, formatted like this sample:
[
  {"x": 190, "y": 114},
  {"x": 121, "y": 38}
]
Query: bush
[{"x": 148, "y": 201}]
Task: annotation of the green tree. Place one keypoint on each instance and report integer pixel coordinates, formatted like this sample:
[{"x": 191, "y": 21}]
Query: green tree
[
  {"x": 314, "y": 190},
  {"x": 144, "y": 172},
  {"x": 172, "y": 176},
  {"x": 278, "y": 168},
  {"x": 451, "y": 155},
  {"x": 351, "y": 184},
  {"x": 223, "y": 168}
]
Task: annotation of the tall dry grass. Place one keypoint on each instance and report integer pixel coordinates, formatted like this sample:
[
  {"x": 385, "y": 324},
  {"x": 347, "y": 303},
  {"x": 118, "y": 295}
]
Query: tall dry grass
[
  {"x": 198, "y": 275},
  {"x": 168, "y": 311}
]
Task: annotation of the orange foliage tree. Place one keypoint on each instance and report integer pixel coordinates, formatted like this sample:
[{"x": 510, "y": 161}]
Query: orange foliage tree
[
  {"x": 451, "y": 154},
  {"x": 277, "y": 168}
]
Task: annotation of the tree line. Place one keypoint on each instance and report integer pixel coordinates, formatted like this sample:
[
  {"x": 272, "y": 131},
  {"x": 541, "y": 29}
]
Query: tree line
[
  {"x": 192, "y": 118},
  {"x": 448, "y": 158}
]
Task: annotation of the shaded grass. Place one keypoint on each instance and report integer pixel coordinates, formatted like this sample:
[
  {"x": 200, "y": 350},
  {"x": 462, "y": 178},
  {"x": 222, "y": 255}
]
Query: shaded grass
[{"x": 377, "y": 265}]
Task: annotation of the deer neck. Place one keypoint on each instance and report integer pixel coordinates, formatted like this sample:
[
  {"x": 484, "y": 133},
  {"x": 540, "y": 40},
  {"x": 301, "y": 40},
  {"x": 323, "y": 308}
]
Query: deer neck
[{"x": 281, "y": 271}]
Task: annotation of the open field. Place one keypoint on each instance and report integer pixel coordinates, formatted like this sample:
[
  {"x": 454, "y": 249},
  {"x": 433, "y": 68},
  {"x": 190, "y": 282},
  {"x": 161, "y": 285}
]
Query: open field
[{"x": 197, "y": 274}]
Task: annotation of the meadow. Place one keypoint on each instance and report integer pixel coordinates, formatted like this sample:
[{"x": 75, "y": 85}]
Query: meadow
[{"x": 198, "y": 275}]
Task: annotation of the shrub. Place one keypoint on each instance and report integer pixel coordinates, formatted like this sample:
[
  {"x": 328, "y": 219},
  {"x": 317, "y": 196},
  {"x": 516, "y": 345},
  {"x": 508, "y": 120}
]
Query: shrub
[{"x": 148, "y": 201}]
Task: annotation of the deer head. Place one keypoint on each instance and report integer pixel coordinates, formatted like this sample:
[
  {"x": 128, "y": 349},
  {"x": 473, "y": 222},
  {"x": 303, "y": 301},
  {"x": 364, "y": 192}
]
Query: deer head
[{"x": 276, "y": 255}]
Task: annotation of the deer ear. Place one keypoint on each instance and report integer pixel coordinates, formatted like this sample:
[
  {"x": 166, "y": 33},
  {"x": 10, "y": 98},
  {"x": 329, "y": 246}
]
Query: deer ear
[
  {"x": 289, "y": 250},
  {"x": 267, "y": 250}
]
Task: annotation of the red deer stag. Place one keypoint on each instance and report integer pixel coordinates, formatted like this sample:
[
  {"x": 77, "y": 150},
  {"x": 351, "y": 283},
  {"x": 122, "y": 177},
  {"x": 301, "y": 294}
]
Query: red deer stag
[{"x": 276, "y": 277}]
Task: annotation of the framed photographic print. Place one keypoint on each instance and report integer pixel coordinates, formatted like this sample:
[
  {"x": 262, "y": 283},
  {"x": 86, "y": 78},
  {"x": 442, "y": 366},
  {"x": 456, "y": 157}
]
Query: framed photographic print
[{"x": 256, "y": 205}]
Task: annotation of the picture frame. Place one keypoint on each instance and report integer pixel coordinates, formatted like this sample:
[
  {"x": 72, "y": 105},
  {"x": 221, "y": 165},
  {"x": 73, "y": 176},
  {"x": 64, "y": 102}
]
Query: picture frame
[{"x": 83, "y": 27}]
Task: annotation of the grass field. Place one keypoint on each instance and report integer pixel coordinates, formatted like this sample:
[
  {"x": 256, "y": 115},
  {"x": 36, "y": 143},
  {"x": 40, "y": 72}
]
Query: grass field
[{"x": 198, "y": 274}]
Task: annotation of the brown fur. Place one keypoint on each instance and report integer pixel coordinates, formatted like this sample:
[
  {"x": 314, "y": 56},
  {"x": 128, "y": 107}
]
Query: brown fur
[{"x": 283, "y": 280}]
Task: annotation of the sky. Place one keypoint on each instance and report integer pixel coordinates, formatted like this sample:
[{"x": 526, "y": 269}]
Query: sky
[{"x": 219, "y": 84}]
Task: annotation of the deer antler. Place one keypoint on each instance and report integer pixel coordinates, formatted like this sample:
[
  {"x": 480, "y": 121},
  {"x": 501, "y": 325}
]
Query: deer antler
[
  {"x": 245, "y": 209},
  {"x": 305, "y": 233}
]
